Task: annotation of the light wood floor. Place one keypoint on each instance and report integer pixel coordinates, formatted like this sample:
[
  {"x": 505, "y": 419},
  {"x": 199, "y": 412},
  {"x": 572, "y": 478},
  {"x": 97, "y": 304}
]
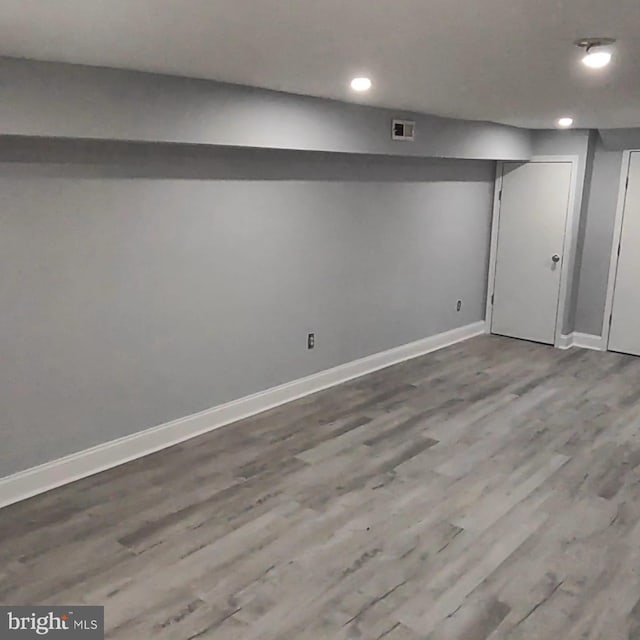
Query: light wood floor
[{"x": 489, "y": 490}]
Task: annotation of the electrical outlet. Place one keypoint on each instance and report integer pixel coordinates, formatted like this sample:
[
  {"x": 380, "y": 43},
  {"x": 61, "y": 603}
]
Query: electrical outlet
[
  {"x": 311, "y": 341},
  {"x": 459, "y": 305}
]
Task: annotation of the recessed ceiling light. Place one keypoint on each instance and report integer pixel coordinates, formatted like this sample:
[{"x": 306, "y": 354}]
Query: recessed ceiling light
[
  {"x": 565, "y": 122},
  {"x": 598, "y": 51},
  {"x": 361, "y": 84},
  {"x": 597, "y": 59}
]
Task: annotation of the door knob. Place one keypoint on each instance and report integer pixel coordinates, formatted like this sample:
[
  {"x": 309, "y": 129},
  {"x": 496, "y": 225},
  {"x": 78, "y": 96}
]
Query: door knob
[{"x": 555, "y": 257}]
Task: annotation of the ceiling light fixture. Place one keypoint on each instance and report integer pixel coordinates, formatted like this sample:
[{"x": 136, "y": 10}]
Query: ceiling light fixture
[
  {"x": 598, "y": 51},
  {"x": 361, "y": 84},
  {"x": 565, "y": 122},
  {"x": 597, "y": 59}
]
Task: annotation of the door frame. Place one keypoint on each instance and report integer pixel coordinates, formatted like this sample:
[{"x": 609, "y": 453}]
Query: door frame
[
  {"x": 615, "y": 244},
  {"x": 568, "y": 243}
]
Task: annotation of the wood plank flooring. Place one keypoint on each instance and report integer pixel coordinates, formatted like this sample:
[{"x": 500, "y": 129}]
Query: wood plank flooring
[{"x": 489, "y": 490}]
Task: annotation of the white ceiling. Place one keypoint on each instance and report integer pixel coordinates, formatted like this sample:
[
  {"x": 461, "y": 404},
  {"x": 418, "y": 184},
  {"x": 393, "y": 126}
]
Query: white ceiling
[{"x": 509, "y": 61}]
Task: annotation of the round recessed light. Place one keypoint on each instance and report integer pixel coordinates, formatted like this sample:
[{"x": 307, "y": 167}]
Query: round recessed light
[
  {"x": 597, "y": 59},
  {"x": 361, "y": 84},
  {"x": 565, "y": 122}
]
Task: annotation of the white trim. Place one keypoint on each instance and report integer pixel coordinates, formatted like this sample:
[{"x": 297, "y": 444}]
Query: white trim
[
  {"x": 566, "y": 341},
  {"x": 570, "y": 235},
  {"x": 589, "y": 341},
  {"x": 493, "y": 251},
  {"x": 617, "y": 237},
  {"x": 30, "y": 482},
  {"x": 582, "y": 341}
]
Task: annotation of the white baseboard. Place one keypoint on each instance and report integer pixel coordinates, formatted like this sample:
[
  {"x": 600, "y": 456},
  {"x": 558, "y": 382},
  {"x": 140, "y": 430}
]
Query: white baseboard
[
  {"x": 583, "y": 341},
  {"x": 589, "y": 341},
  {"x": 566, "y": 341},
  {"x": 30, "y": 482}
]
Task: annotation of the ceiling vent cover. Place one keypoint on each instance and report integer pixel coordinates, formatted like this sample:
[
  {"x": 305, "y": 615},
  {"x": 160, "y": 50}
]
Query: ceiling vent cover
[{"x": 403, "y": 130}]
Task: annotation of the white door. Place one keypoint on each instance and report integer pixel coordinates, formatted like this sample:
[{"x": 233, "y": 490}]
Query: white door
[
  {"x": 531, "y": 232},
  {"x": 625, "y": 321}
]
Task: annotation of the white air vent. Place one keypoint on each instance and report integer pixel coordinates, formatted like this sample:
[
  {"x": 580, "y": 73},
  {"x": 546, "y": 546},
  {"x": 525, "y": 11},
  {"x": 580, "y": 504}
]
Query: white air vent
[{"x": 403, "y": 130}]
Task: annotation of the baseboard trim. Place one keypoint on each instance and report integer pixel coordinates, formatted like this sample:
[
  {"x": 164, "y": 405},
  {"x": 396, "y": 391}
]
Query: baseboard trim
[
  {"x": 583, "y": 341},
  {"x": 56, "y": 473},
  {"x": 566, "y": 341},
  {"x": 589, "y": 341}
]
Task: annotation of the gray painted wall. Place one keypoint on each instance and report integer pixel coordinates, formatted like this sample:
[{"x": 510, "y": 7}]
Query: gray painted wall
[
  {"x": 620, "y": 139},
  {"x": 73, "y": 101},
  {"x": 581, "y": 233},
  {"x": 598, "y": 238},
  {"x": 171, "y": 279}
]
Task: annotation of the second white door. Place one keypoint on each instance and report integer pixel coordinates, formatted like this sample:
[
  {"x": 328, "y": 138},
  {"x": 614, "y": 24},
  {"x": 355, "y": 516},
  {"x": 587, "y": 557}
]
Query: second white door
[
  {"x": 531, "y": 237},
  {"x": 625, "y": 325}
]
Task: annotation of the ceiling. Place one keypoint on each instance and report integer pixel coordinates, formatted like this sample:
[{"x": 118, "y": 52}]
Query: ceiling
[{"x": 509, "y": 61}]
